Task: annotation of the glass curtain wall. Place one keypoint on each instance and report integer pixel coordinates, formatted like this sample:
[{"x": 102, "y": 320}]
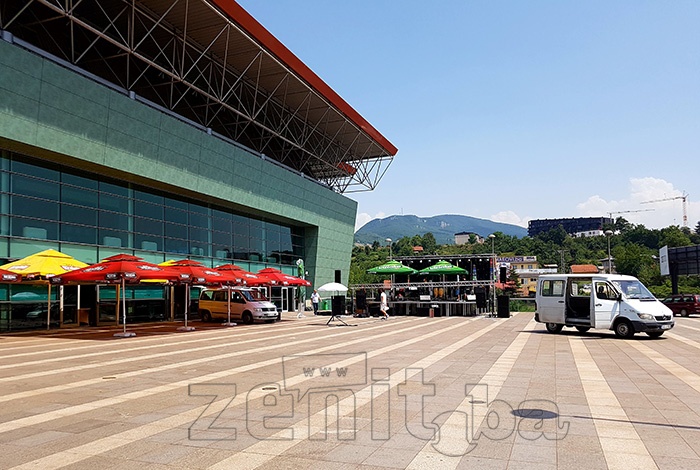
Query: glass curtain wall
[
  {"x": 44, "y": 202},
  {"x": 48, "y": 206}
]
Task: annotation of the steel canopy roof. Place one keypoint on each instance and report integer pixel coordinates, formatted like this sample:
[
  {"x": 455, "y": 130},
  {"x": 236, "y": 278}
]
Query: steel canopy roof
[
  {"x": 212, "y": 63},
  {"x": 272, "y": 44}
]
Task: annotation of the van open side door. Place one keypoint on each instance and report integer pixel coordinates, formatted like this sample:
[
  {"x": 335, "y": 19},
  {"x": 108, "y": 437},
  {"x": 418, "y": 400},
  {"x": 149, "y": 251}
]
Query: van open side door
[
  {"x": 605, "y": 304},
  {"x": 551, "y": 304}
]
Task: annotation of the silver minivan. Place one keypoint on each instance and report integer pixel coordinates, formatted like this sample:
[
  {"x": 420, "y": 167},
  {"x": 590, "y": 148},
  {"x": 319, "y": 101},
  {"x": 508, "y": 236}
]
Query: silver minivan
[
  {"x": 608, "y": 301},
  {"x": 245, "y": 304}
]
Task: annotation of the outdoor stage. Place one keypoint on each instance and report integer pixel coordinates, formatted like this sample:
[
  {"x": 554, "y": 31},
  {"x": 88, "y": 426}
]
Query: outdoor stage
[{"x": 440, "y": 308}]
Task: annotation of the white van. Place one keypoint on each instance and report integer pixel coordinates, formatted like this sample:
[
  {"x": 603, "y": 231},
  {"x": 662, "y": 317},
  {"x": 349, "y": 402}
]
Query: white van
[
  {"x": 609, "y": 301},
  {"x": 247, "y": 305}
]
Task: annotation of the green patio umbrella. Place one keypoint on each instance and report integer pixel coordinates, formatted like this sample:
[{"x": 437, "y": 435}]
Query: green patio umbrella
[
  {"x": 392, "y": 267},
  {"x": 442, "y": 267}
]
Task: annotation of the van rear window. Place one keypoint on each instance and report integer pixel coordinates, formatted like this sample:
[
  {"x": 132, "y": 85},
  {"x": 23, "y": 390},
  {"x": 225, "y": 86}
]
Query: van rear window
[{"x": 552, "y": 288}]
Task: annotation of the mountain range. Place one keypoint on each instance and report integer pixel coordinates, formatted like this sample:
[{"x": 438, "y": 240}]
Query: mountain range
[{"x": 443, "y": 227}]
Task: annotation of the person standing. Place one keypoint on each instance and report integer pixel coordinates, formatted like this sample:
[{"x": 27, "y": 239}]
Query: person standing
[
  {"x": 300, "y": 306},
  {"x": 383, "y": 305},
  {"x": 314, "y": 301}
]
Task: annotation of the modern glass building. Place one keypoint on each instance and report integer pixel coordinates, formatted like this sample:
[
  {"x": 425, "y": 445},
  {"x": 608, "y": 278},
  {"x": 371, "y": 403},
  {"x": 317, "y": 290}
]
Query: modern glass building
[{"x": 169, "y": 130}]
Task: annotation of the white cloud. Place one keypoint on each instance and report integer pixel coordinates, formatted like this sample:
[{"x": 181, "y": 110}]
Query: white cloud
[
  {"x": 634, "y": 208},
  {"x": 509, "y": 217},
  {"x": 363, "y": 217}
]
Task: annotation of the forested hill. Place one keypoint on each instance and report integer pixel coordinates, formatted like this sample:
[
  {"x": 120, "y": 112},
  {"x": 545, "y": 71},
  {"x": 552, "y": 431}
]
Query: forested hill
[{"x": 443, "y": 227}]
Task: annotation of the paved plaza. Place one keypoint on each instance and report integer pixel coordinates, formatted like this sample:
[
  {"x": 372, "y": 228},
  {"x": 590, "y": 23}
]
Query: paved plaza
[{"x": 411, "y": 392}]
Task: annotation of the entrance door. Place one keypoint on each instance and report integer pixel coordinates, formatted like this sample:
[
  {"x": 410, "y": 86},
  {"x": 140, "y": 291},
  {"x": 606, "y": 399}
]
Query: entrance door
[
  {"x": 285, "y": 299},
  {"x": 107, "y": 305},
  {"x": 276, "y": 297}
]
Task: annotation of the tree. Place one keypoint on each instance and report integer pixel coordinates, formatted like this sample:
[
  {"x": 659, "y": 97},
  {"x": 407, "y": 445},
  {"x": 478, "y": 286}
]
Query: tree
[
  {"x": 621, "y": 225},
  {"x": 554, "y": 235},
  {"x": 630, "y": 259},
  {"x": 403, "y": 247},
  {"x": 673, "y": 236},
  {"x": 640, "y": 235},
  {"x": 513, "y": 283},
  {"x": 429, "y": 243}
]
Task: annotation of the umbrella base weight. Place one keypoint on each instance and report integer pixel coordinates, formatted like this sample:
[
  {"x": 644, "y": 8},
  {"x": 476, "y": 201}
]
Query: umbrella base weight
[
  {"x": 124, "y": 334},
  {"x": 186, "y": 328},
  {"x": 229, "y": 324}
]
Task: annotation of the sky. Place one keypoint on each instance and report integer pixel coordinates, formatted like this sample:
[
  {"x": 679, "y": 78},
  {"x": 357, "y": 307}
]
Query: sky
[{"x": 515, "y": 110}]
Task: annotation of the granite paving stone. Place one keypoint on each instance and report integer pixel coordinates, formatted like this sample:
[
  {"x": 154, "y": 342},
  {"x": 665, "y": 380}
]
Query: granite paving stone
[{"x": 559, "y": 401}]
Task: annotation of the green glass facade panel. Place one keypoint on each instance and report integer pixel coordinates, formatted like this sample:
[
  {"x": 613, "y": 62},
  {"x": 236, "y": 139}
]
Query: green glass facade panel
[
  {"x": 21, "y": 248},
  {"x": 131, "y": 141}
]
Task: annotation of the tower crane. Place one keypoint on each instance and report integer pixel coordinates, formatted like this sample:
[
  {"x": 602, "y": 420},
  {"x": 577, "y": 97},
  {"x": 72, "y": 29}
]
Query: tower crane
[
  {"x": 683, "y": 197},
  {"x": 627, "y": 212}
]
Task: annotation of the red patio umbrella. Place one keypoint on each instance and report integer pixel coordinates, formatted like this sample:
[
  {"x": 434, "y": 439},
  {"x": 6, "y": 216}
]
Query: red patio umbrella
[
  {"x": 120, "y": 269},
  {"x": 8, "y": 276},
  {"x": 200, "y": 274},
  {"x": 283, "y": 279},
  {"x": 250, "y": 279}
]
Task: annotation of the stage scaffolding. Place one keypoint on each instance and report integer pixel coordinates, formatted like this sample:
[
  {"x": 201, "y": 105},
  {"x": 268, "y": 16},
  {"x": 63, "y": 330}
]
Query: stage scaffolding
[{"x": 484, "y": 264}]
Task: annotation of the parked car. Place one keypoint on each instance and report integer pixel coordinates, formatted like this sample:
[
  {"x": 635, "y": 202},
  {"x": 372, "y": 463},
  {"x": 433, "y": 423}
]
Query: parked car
[
  {"x": 683, "y": 304},
  {"x": 246, "y": 304}
]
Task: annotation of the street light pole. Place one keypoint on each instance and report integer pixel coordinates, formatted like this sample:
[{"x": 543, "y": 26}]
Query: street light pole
[
  {"x": 608, "y": 234},
  {"x": 388, "y": 240}
]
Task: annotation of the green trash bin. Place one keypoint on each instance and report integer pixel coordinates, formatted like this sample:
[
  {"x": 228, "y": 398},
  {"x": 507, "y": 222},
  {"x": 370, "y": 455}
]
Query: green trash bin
[{"x": 325, "y": 304}]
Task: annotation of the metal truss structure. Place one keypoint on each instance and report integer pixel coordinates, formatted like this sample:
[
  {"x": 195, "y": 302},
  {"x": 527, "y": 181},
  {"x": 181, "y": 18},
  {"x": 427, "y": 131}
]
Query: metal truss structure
[
  {"x": 210, "y": 63},
  {"x": 424, "y": 285}
]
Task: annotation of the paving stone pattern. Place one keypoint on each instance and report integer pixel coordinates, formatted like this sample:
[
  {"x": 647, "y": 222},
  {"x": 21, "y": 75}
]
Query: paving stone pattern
[{"x": 411, "y": 392}]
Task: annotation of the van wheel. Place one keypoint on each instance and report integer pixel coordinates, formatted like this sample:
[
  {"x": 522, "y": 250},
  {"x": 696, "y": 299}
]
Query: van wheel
[
  {"x": 583, "y": 329},
  {"x": 624, "y": 329},
  {"x": 554, "y": 327},
  {"x": 684, "y": 313},
  {"x": 205, "y": 316},
  {"x": 247, "y": 318},
  {"x": 654, "y": 334}
]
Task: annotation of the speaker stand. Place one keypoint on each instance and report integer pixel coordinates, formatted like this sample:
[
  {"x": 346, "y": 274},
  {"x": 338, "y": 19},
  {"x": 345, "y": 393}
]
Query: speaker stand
[{"x": 335, "y": 317}]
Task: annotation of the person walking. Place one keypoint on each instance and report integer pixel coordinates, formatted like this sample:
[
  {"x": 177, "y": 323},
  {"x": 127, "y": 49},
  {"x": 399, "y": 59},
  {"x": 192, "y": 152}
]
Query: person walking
[
  {"x": 383, "y": 305},
  {"x": 314, "y": 301}
]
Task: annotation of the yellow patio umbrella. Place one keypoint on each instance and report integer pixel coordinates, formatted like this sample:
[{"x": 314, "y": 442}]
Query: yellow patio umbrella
[{"x": 41, "y": 266}]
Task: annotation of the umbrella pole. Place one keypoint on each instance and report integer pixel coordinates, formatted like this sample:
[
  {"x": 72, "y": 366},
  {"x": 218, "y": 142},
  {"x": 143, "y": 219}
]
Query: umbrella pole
[
  {"x": 48, "y": 310},
  {"x": 118, "y": 305},
  {"x": 124, "y": 333},
  {"x": 172, "y": 303},
  {"x": 187, "y": 307},
  {"x": 124, "y": 304},
  {"x": 228, "y": 306}
]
